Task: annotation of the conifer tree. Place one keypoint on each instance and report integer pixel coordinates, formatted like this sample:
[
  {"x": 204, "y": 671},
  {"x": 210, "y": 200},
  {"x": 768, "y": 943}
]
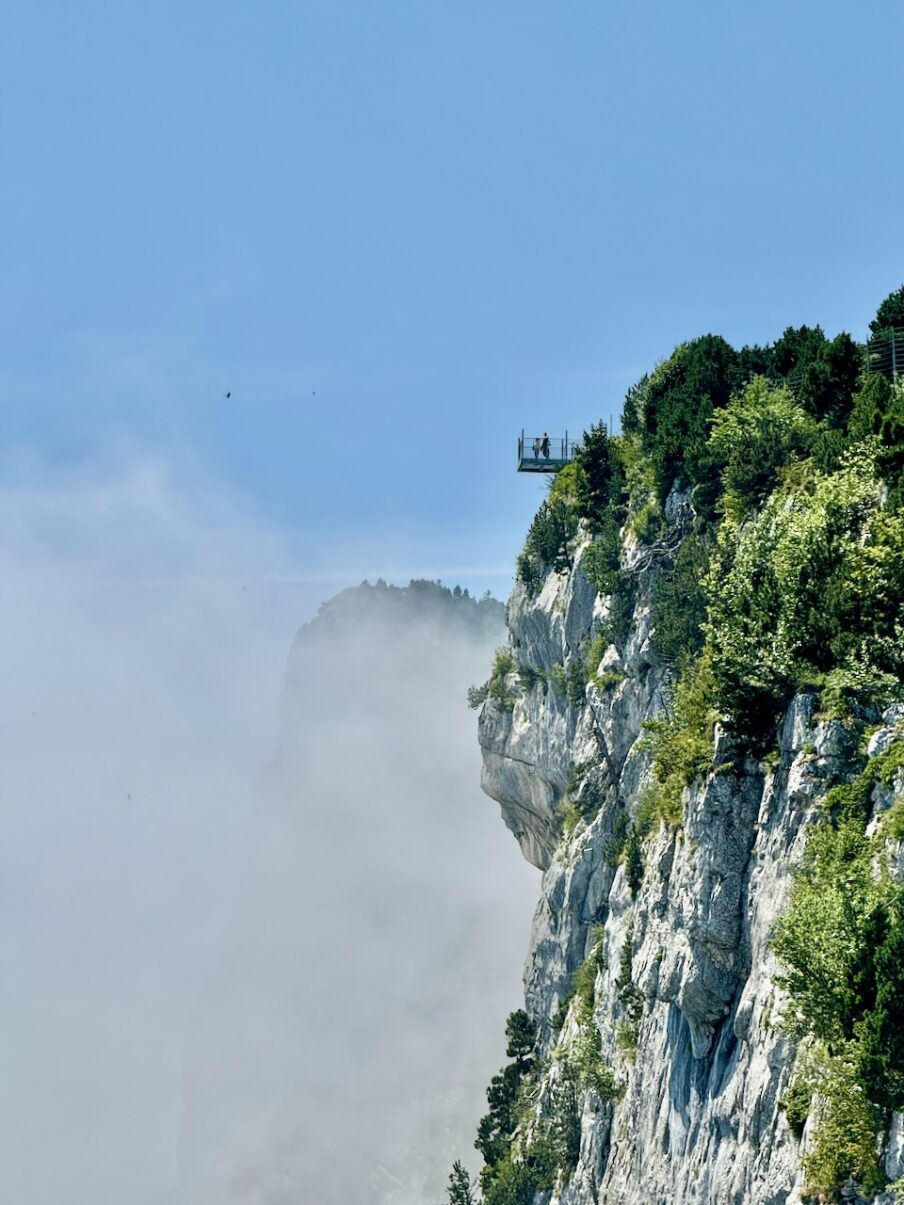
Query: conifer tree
[{"x": 459, "y": 1191}]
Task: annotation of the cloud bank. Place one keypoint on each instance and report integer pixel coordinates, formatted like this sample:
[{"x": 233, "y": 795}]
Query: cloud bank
[{"x": 222, "y": 983}]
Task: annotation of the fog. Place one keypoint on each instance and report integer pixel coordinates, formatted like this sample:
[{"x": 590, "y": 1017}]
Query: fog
[{"x": 259, "y": 929}]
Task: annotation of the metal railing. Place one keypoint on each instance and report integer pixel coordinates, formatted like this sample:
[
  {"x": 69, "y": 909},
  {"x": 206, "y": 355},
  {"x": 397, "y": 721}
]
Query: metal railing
[
  {"x": 885, "y": 353},
  {"x": 543, "y": 448}
]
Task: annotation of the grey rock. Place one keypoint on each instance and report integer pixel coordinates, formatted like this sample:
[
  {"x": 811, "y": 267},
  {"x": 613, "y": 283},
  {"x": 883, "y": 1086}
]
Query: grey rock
[{"x": 699, "y": 1121}]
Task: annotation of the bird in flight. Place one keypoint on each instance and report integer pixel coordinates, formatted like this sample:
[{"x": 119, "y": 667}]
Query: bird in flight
[{"x": 227, "y": 394}]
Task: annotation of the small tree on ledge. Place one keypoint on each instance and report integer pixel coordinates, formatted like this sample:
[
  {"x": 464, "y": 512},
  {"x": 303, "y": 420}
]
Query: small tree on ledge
[{"x": 459, "y": 1191}]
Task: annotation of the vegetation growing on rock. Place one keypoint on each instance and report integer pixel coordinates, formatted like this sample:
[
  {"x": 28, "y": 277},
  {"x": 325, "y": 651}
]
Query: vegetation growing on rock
[{"x": 746, "y": 528}]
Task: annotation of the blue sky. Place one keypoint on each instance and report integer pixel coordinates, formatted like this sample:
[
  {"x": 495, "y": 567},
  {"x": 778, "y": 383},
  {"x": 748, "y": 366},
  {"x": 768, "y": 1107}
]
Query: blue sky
[{"x": 398, "y": 232}]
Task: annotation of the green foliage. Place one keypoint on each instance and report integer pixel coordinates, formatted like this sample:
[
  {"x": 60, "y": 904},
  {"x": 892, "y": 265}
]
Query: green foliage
[
  {"x": 576, "y": 681},
  {"x": 813, "y": 586},
  {"x": 853, "y": 800},
  {"x": 559, "y": 1132},
  {"x": 630, "y": 997},
  {"x": 600, "y": 560},
  {"x": 522, "y": 1041},
  {"x": 460, "y": 1190},
  {"x": 682, "y": 747},
  {"x": 679, "y": 603},
  {"x": 497, "y": 1127},
  {"x": 558, "y": 679},
  {"x": 608, "y": 680},
  {"x": 646, "y": 524},
  {"x": 569, "y": 816},
  {"x": 842, "y": 944},
  {"x": 822, "y": 373},
  {"x": 679, "y": 401},
  {"x": 614, "y": 844},
  {"x": 600, "y": 483},
  {"x": 881, "y": 1053},
  {"x": 822, "y": 938},
  {"x": 496, "y": 687},
  {"x": 890, "y": 312},
  {"x": 587, "y": 1060},
  {"x": 583, "y": 984},
  {"x": 520, "y": 1161},
  {"x": 634, "y": 866},
  {"x": 512, "y": 1183},
  {"x": 496, "y": 1130},
  {"x": 632, "y": 416},
  {"x": 627, "y": 1036},
  {"x": 879, "y": 411},
  {"x": 844, "y": 1143},
  {"x": 596, "y": 650},
  {"x": 617, "y": 626},
  {"x": 798, "y": 1101},
  {"x": 548, "y": 544},
  {"x": 757, "y": 433}
]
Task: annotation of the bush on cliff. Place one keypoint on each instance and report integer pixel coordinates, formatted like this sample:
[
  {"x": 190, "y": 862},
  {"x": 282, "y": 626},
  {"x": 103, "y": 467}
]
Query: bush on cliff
[
  {"x": 679, "y": 402},
  {"x": 810, "y": 587},
  {"x": 752, "y": 438}
]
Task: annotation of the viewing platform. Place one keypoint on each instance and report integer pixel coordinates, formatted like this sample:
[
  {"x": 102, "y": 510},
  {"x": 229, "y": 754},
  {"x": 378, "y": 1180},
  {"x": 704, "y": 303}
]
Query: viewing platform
[{"x": 541, "y": 454}]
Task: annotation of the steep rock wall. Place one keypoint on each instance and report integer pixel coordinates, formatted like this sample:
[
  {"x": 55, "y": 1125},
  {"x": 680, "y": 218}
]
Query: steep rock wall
[{"x": 699, "y": 1118}]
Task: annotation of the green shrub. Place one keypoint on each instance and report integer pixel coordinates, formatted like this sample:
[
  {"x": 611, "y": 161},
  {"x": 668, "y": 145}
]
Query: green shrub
[
  {"x": 569, "y": 817},
  {"x": 752, "y": 437},
  {"x": 596, "y": 650},
  {"x": 560, "y": 1129},
  {"x": 600, "y": 560},
  {"x": 548, "y": 544},
  {"x": 511, "y": 1184},
  {"x": 587, "y": 1059},
  {"x": 630, "y": 997},
  {"x": 844, "y": 1142},
  {"x": 680, "y": 398},
  {"x": 889, "y": 313},
  {"x": 822, "y": 937},
  {"x": 627, "y": 1035},
  {"x": 614, "y": 844},
  {"x": 679, "y": 603},
  {"x": 881, "y": 1049},
  {"x": 822, "y": 373},
  {"x": 853, "y": 800},
  {"x": 814, "y": 584},
  {"x": 599, "y": 482},
  {"x": 583, "y": 983},
  {"x": 558, "y": 679},
  {"x": 797, "y": 1102},
  {"x": 841, "y": 941},
  {"x": 647, "y": 524},
  {"x": 682, "y": 747},
  {"x": 576, "y": 681},
  {"x": 633, "y": 861},
  {"x": 496, "y": 687}
]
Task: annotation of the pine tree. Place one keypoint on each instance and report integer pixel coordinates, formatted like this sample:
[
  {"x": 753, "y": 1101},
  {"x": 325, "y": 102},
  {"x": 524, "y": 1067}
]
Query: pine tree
[
  {"x": 459, "y": 1191},
  {"x": 522, "y": 1039}
]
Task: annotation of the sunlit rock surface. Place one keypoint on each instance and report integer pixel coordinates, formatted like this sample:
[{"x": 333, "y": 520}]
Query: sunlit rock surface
[{"x": 700, "y": 1118}]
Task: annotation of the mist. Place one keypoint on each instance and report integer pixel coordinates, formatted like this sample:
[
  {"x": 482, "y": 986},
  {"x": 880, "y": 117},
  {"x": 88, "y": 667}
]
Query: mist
[{"x": 259, "y": 928}]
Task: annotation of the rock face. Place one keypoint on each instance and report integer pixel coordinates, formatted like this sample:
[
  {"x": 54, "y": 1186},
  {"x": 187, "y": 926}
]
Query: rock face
[{"x": 699, "y": 1119}]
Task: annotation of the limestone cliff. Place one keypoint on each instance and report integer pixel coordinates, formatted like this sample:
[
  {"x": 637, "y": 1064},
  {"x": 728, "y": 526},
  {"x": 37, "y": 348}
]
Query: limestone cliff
[{"x": 686, "y": 999}]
